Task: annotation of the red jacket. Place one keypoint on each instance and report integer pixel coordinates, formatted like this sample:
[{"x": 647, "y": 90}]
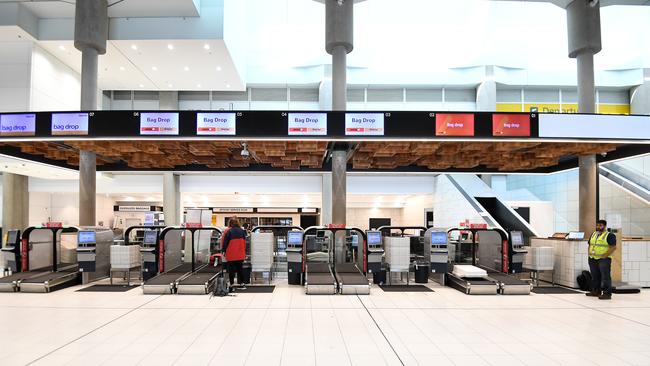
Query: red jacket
[{"x": 234, "y": 244}]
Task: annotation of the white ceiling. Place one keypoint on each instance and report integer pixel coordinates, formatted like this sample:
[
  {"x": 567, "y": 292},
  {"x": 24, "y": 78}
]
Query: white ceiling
[
  {"x": 29, "y": 168},
  {"x": 126, "y": 8},
  {"x": 125, "y": 68}
]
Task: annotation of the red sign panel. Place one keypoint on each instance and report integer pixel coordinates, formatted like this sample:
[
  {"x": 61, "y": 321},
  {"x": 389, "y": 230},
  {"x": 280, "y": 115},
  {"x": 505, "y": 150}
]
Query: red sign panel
[
  {"x": 454, "y": 124},
  {"x": 510, "y": 125},
  {"x": 478, "y": 226},
  {"x": 193, "y": 225},
  {"x": 336, "y": 226},
  {"x": 54, "y": 224}
]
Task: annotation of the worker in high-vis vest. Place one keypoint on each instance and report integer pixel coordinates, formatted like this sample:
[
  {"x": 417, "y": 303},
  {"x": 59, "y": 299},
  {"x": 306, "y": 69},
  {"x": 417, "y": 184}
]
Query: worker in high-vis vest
[{"x": 601, "y": 246}]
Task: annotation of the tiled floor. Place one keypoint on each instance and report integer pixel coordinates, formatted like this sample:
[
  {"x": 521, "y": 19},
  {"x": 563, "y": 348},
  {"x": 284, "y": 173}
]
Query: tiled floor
[{"x": 288, "y": 327}]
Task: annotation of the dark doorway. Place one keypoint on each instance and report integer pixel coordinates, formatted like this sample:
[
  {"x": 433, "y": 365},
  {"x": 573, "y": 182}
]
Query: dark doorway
[
  {"x": 375, "y": 223},
  {"x": 524, "y": 212},
  {"x": 429, "y": 219},
  {"x": 308, "y": 220}
]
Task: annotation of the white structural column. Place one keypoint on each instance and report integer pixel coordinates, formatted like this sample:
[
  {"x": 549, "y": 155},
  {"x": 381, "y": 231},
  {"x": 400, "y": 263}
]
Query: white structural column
[
  {"x": 171, "y": 199},
  {"x": 583, "y": 24},
  {"x": 90, "y": 35},
  {"x": 326, "y": 199},
  {"x": 15, "y": 201},
  {"x": 338, "y": 43},
  {"x": 486, "y": 92},
  {"x": 640, "y": 96}
]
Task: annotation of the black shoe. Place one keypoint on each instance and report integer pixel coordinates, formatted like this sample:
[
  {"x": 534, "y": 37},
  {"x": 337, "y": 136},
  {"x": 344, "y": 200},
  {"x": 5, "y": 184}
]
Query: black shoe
[
  {"x": 231, "y": 289},
  {"x": 605, "y": 297},
  {"x": 242, "y": 287},
  {"x": 593, "y": 294}
]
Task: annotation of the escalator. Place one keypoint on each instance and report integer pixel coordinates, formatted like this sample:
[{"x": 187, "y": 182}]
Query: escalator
[{"x": 627, "y": 179}]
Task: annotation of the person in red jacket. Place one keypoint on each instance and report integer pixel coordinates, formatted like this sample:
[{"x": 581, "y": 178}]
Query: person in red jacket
[{"x": 234, "y": 245}]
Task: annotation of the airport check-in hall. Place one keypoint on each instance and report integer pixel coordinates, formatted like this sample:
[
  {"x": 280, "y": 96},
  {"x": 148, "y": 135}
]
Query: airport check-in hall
[{"x": 325, "y": 182}]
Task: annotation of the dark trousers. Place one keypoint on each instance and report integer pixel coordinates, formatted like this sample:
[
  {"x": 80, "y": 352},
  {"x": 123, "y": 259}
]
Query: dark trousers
[
  {"x": 236, "y": 267},
  {"x": 601, "y": 278}
]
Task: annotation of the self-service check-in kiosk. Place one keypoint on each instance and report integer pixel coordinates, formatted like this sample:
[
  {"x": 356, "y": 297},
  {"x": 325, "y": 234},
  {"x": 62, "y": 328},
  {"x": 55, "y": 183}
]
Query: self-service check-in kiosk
[
  {"x": 149, "y": 251},
  {"x": 11, "y": 252},
  {"x": 517, "y": 253},
  {"x": 376, "y": 254},
  {"x": 436, "y": 240},
  {"x": 93, "y": 253},
  {"x": 295, "y": 257}
]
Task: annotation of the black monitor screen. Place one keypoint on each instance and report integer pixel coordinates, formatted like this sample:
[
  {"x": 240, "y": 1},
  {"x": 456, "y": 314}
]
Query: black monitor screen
[
  {"x": 374, "y": 237},
  {"x": 12, "y": 236},
  {"x": 150, "y": 237},
  {"x": 294, "y": 238},
  {"x": 517, "y": 238},
  {"x": 438, "y": 238},
  {"x": 320, "y": 234},
  {"x": 86, "y": 237}
]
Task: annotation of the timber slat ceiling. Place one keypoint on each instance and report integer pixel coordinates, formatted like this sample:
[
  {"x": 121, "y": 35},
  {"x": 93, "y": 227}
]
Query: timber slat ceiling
[{"x": 294, "y": 155}]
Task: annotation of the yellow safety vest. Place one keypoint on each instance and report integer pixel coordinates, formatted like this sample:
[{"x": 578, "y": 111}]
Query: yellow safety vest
[{"x": 598, "y": 245}]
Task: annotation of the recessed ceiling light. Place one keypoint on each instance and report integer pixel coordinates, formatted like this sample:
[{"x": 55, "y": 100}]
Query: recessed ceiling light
[
  {"x": 169, "y": 85},
  {"x": 134, "y": 47},
  {"x": 198, "y": 85},
  {"x": 218, "y": 68},
  {"x": 142, "y": 85},
  {"x": 170, "y": 46},
  {"x": 62, "y": 47},
  {"x": 227, "y": 85},
  {"x": 206, "y": 46},
  {"x": 154, "y": 68},
  {"x": 186, "y": 68},
  {"x": 121, "y": 68}
]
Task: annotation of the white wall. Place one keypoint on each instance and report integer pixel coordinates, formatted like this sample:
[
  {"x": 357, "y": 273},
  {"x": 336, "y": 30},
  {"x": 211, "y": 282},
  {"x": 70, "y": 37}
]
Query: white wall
[
  {"x": 450, "y": 206},
  {"x": 541, "y": 216},
  {"x": 54, "y": 85},
  {"x": 359, "y": 217},
  {"x": 15, "y": 69},
  {"x": 64, "y": 207},
  {"x": 414, "y": 207}
]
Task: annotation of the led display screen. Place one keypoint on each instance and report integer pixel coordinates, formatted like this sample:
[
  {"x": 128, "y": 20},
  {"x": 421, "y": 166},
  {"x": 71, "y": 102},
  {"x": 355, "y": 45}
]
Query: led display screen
[
  {"x": 438, "y": 237},
  {"x": 294, "y": 238},
  {"x": 374, "y": 237},
  {"x": 454, "y": 124},
  {"x": 150, "y": 237},
  {"x": 306, "y": 124},
  {"x": 65, "y": 124},
  {"x": 364, "y": 124},
  {"x": 18, "y": 124},
  {"x": 510, "y": 125},
  {"x": 159, "y": 123},
  {"x": 216, "y": 124},
  {"x": 87, "y": 237},
  {"x": 599, "y": 126}
]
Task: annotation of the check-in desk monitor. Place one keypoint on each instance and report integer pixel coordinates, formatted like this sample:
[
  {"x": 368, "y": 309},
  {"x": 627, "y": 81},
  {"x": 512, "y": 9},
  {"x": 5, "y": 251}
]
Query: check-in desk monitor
[
  {"x": 375, "y": 251},
  {"x": 518, "y": 251},
  {"x": 576, "y": 235},
  {"x": 294, "y": 257},
  {"x": 437, "y": 242},
  {"x": 11, "y": 251}
]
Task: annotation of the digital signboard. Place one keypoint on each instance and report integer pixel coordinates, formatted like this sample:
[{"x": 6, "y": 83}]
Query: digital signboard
[
  {"x": 454, "y": 124},
  {"x": 307, "y": 124},
  {"x": 159, "y": 123},
  {"x": 364, "y": 124},
  {"x": 18, "y": 124},
  {"x": 510, "y": 125},
  {"x": 67, "y": 124},
  {"x": 216, "y": 124}
]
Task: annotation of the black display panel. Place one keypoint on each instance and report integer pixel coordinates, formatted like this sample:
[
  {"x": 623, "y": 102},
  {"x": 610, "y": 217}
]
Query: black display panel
[{"x": 406, "y": 125}]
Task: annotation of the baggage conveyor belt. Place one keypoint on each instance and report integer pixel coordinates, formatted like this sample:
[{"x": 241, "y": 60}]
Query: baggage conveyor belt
[
  {"x": 47, "y": 281},
  {"x": 319, "y": 279},
  {"x": 351, "y": 280},
  {"x": 510, "y": 285},
  {"x": 472, "y": 286},
  {"x": 164, "y": 283},
  {"x": 200, "y": 282},
  {"x": 10, "y": 283}
]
